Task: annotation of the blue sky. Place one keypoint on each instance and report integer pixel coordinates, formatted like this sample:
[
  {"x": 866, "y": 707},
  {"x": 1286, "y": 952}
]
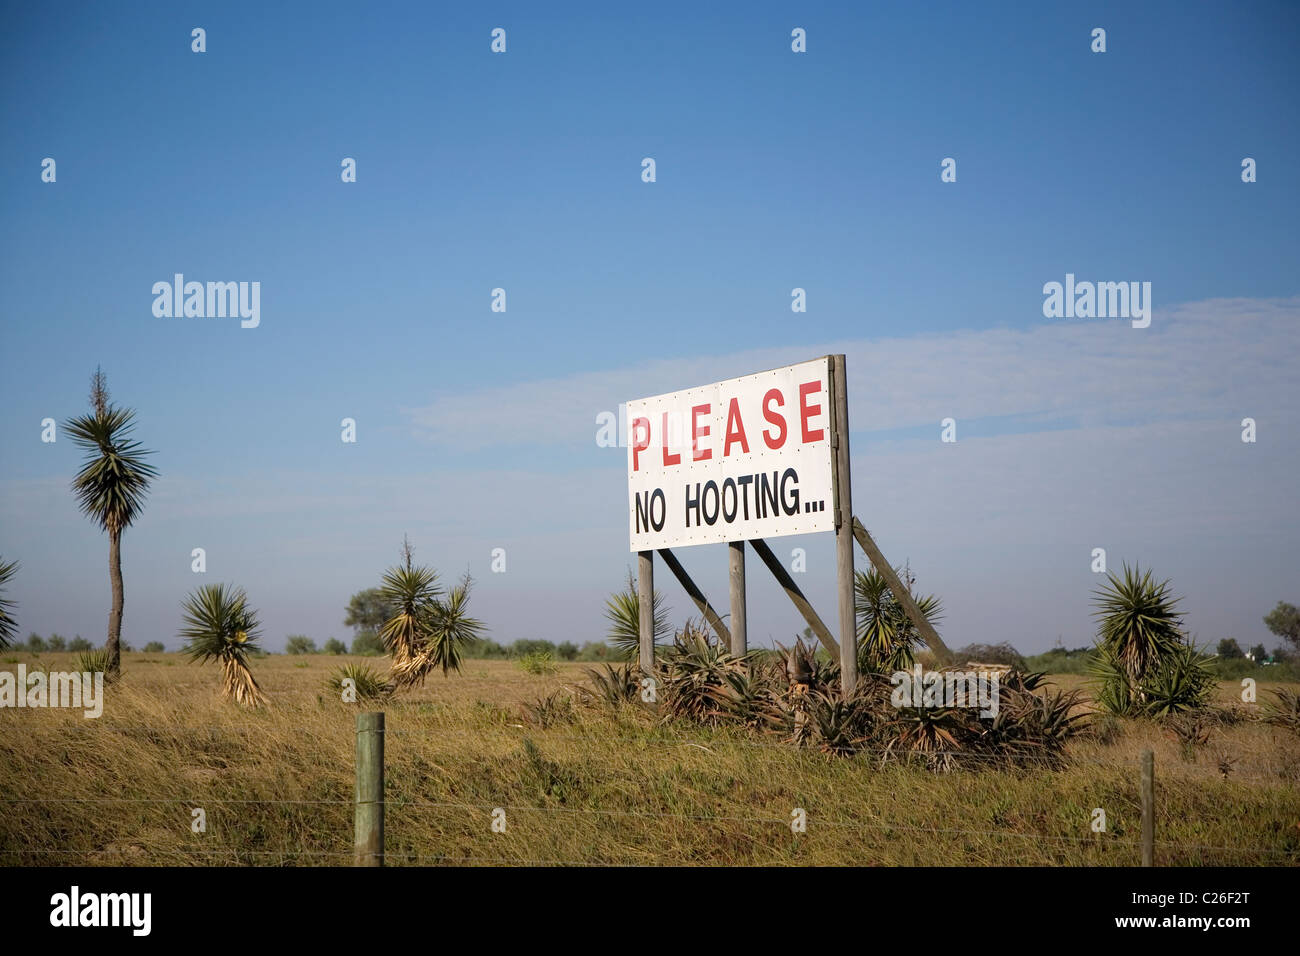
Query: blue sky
[{"x": 775, "y": 170}]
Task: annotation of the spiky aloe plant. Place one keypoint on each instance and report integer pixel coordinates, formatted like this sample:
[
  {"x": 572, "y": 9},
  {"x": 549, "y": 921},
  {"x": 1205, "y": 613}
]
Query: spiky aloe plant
[
  {"x": 219, "y": 625},
  {"x": 693, "y": 671},
  {"x": 1139, "y": 626},
  {"x": 887, "y": 638},
  {"x": 623, "y": 611},
  {"x": 110, "y": 489},
  {"x": 8, "y": 626},
  {"x": 554, "y": 708},
  {"x": 611, "y": 688}
]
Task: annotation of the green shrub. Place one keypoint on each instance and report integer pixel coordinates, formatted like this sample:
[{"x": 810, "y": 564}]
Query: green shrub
[
  {"x": 538, "y": 662},
  {"x": 36, "y": 644},
  {"x": 1229, "y": 648},
  {"x": 526, "y": 646},
  {"x": 484, "y": 648},
  {"x": 79, "y": 643},
  {"x": 367, "y": 644},
  {"x": 57, "y": 642},
  {"x": 1061, "y": 661},
  {"x": 299, "y": 644},
  {"x": 335, "y": 646},
  {"x": 1235, "y": 668},
  {"x": 1139, "y": 623},
  {"x": 154, "y": 647}
]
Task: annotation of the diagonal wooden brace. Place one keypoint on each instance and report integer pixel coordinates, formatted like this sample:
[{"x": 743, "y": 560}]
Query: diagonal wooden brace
[
  {"x": 783, "y": 578},
  {"x": 696, "y": 595},
  {"x": 903, "y": 595}
]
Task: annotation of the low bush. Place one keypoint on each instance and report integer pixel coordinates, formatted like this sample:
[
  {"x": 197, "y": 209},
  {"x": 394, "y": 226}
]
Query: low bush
[
  {"x": 537, "y": 662},
  {"x": 299, "y": 644}
]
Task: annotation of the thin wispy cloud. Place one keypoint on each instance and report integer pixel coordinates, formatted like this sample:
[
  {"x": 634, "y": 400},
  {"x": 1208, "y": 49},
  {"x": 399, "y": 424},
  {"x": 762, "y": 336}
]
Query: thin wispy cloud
[{"x": 1217, "y": 358}]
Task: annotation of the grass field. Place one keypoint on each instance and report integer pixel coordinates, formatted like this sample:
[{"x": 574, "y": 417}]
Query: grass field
[{"x": 276, "y": 784}]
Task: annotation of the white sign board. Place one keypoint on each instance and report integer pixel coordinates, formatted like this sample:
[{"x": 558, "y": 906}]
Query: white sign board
[{"x": 746, "y": 458}]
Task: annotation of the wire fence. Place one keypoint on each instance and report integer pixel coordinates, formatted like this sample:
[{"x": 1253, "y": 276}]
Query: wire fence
[
  {"x": 760, "y": 825},
  {"x": 657, "y": 737}
]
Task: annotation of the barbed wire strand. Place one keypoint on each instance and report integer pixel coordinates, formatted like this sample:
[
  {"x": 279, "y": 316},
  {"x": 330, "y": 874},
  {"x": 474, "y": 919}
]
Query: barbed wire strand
[
  {"x": 1005, "y": 759},
  {"x": 650, "y": 814}
]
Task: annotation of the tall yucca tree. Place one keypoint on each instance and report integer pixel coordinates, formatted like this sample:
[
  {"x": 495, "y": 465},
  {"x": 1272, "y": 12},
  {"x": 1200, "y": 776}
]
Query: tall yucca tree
[
  {"x": 110, "y": 489},
  {"x": 219, "y": 625},
  {"x": 887, "y": 638},
  {"x": 8, "y": 626},
  {"x": 1139, "y": 624},
  {"x": 411, "y": 592},
  {"x": 425, "y": 633}
]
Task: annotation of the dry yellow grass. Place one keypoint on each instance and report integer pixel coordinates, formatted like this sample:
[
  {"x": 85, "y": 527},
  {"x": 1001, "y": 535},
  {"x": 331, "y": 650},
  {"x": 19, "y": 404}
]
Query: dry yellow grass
[{"x": 276, "y": 784}]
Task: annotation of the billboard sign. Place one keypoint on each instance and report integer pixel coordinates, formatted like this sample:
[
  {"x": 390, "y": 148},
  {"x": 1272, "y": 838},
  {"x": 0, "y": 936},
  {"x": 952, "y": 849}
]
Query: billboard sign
[{"x": 747, "y": 458}]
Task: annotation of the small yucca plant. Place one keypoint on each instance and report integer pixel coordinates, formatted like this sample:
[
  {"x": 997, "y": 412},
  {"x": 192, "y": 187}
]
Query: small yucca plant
[
  {"x": 1029, "y": 727},
  {"x": 367, "y": 682},
  {"x": 219, "y": 625},
  {"x": 838, "y": 725},
  {"x": 554, "y": 708},
  {"x": 1284, "y": 710},
  {"x": 751, "y": 698},
  {"x": 8, "y": 626},
  {"x": 623, "y": 611},
  {"x": 1181, "y": 683},
  {"x": 887, "y": 638},
  {"x": 610, "y": 687},
  {"x": 693, "y": 671},
  {"x": 95, "y": 661}
]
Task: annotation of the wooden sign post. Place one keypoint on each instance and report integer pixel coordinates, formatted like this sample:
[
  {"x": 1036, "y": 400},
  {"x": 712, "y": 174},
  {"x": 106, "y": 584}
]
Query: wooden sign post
[
  {"x": 843, "y": 526},
  {"x": 645, "y": 592},
  {"x": 739, "y": 634}
]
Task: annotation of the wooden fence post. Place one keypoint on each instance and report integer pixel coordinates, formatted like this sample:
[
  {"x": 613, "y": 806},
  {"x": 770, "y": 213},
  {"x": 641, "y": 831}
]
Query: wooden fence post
[
  {"x": 739, "y": 632},
  {"x": 1148, "y": 808},
  {"x": 369, "y": 814}
]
